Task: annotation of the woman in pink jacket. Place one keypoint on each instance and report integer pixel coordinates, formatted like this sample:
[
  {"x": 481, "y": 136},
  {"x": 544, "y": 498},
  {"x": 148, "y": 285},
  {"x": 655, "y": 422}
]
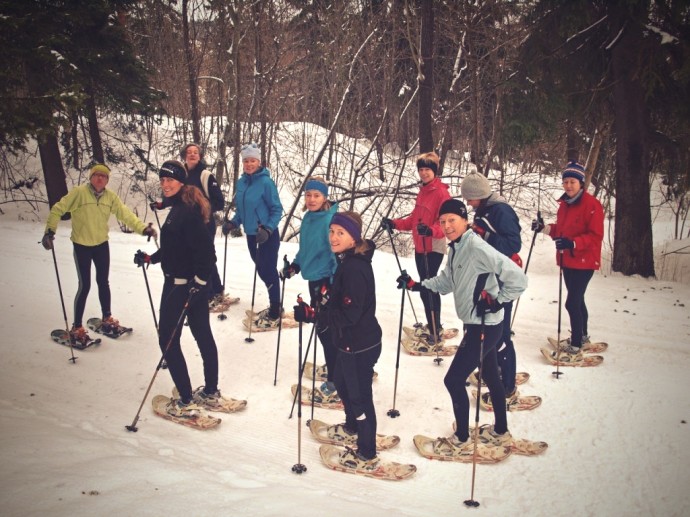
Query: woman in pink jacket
[
  {"x": 578, "y": 233},
  {"x": 428, "y": 238}
]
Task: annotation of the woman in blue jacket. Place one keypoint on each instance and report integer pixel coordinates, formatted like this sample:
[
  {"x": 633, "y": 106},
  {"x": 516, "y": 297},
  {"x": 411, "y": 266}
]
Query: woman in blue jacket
[
  {"x": 258, "y": 210},
  {"x": 316, "y": 262}
]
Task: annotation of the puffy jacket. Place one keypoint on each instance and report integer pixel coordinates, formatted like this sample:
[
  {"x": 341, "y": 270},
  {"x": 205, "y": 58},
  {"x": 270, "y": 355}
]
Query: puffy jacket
[
  {"x": 581, "y": 221},
  {"x": 257, "y": 202},
  {"x": 351, "y": 310},
  {"x": 429, "y": 200},
  {"x": 315, "y": 258},
  {"x": 503, "y": 224},
  {"x": 472, "y": 266},
  {"x": 90, "y": 214},
  {"x": 186, "y": 251}
]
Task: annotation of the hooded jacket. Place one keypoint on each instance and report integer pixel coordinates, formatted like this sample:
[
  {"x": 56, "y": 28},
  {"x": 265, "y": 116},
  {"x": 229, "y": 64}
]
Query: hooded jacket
[
  {"x": 351, "y": 309},
  {"x": 257, "y": 202},
  {"x": 472, "y": 266},
  {"x": 429, "y": 200},
  {"x": 502, "y": 223},
  {"x": 581, "y": 221}
]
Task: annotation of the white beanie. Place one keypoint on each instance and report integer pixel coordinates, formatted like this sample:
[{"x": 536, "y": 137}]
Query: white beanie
[
  {"x": 475, "y": 186},
  {"x": 251, "y": 150}
]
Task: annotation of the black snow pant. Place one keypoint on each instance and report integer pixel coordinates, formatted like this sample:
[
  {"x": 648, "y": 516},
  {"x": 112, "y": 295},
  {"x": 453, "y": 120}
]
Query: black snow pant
[
  {"x": 330, "y": 352},
  {"x": 100, "y": 256},
  {"x": 353, "y": 380},
  {"x": 173, "y": 301},
  {"x": 465, "y": 361}
]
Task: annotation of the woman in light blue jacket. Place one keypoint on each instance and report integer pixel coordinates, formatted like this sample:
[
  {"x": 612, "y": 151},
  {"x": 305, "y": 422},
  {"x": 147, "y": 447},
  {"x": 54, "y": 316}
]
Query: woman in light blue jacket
[
  {"x": 258, "y": 210},
  {"x": 472, "y": 273}
]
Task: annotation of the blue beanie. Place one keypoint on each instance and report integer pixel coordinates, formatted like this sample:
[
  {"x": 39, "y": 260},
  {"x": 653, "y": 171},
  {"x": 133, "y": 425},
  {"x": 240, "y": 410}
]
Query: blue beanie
[{"x": 574, "y": 170}]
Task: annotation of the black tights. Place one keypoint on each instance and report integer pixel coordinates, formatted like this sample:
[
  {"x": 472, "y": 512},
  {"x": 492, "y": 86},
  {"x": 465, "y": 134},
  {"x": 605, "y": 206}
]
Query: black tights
[{"x": 576, "y": 281}]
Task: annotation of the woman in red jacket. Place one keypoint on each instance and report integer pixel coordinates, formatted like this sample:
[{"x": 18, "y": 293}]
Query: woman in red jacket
[
  {"x": 428, "y": 238},
  {"x": 578, "y": 233}
]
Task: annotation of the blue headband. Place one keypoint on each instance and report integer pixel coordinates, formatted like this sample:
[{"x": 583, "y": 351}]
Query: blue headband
[
  {"x": 350, "y": 226},
  {"x": 317, "y": 185}
]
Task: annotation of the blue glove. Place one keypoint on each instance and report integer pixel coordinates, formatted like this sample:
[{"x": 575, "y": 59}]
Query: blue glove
[
  {"x": 563, "y": 243},
  {"x": 424, "y": 230},
  {"x": 262, "y": 234}
]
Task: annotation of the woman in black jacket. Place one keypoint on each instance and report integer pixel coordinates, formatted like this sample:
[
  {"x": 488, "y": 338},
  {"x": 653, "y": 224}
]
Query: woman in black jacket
[
  {"x": 186, "y": 256},
  {"x": 350, "y": 313}
]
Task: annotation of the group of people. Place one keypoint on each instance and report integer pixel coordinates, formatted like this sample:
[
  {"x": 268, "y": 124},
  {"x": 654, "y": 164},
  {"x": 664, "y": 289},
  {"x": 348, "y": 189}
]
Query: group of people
[{"x": 482, "y": 271}]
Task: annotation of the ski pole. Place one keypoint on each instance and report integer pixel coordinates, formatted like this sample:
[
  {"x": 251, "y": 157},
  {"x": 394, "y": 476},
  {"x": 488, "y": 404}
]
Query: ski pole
[
  {"x": 222, "y": 315},
  {"x": 249, "y": 338},
  {"x": 395, "y": 252},
  {"x": 299, "y": 467},
  {"x": 394, "y": 413},
  {"x": 133, "y": 426},
  {"x": 306, "y": 354},
  {"x": 529, "y": 256},
  {"x": 438, "y": 359},
  {"x": 280, "y": 325},
  {"x": 313, "y": 378},
  {"x": 558, "y": 371},
  {"x": 72, "y": 359},
  {"x": 471, "y": 501}
]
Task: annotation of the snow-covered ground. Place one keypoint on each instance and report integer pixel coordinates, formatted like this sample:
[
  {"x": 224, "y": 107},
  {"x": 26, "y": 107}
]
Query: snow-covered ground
[{"x": 619, "y": 441}]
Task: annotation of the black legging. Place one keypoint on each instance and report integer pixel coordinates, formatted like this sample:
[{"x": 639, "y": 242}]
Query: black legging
[
  {"x": 83, "y": 256},
  {"x": 576, "y": 281},
  {"x": 465, "y": 361},
  {"x": 173, "y": 300},
  {"x": 330, "y": 352},
  {"x": 353, "y": 377},
  {"x": 430, "y": 299}
]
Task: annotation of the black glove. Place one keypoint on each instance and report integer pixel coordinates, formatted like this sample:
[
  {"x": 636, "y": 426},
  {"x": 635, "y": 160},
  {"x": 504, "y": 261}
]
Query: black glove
[
  {"x": 228, "y": 227},
  {"x": 262, "y": 234},
  {"x": 195, "y": 287},
  {"x": 156, "y": 205},
  {"x": 141, "y": 258},
  {"x": 304, "y": 312},
  {"x": 47, "y": 239},
  {"x": 538, "y": 224},
  {"x": 387, "y": 224},
  {"x": 563, "y": 243},
  {"x": 423, "y": 229},
  {"x": 150, "y": 231},
  {"x": 406, "y": 282},
  {"x": 289, "y": 271},
  {"x": 487, "y": 304}
]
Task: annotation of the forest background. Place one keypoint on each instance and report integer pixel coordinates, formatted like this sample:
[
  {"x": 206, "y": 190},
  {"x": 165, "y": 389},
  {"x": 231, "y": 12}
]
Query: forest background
[{"x": 506, "y": 88}]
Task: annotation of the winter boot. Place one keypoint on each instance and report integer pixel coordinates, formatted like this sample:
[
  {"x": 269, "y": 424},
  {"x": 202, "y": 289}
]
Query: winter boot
[
  {"x": 109, "y": 324},
  {"x": 79, "y": 335},
  {"x": 568, "y": 354},
  {"x": 354, "y": 460},
  {"x": 180, "y": 409}
]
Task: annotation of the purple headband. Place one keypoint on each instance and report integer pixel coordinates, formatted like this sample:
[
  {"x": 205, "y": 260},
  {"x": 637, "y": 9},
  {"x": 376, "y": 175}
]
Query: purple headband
[{"x": 350, "y": 226}]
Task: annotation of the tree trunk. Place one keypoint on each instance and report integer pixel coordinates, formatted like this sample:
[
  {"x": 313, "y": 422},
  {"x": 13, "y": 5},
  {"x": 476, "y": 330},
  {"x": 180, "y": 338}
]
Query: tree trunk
[
  {"x": 94, "y": 133},
  {"x": 426, "y": 84},
  {"x": 53, "y": 173},
  {"x": 632, "y": 249},
  {"x": 191, "y": 74}
]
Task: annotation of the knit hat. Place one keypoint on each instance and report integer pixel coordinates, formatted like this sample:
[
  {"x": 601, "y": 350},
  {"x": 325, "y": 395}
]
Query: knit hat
[
  {"x": 173, "y": 169},
  {"x": 183, "y": 151},
  {"x": 574, "y": 170},
  {"x": 475, "y": 186},
  {"x": 428, "y": 160},
  {"x": 251, "y": 150},
  {"x": 100, "y": 169},
  {"x": 352, "y": 226},
  {"x": 453, "y": 206}
]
